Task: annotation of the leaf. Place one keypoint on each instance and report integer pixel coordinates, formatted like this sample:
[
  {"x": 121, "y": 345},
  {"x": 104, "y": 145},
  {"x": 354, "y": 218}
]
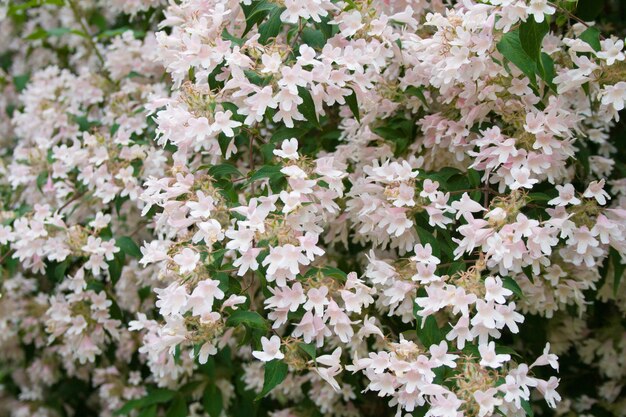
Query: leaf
[
  {"x": 547, "y": 71},
  {"x": 427, "y": 237},
  {"x": 275, "y": 373},
  {"x": 531, "y": 35},
  {"x": 288, "y": 133},
  {"x": 128, "y": 246},
  {"x": 223, "y": 170},
  {"x": 588, "y": 10},
  {"x": 115, "y": 266},
  {"x": 272, "y": 26},
  {"x": 250, "y": 319},
  {"x": 178, "y": 408},
  {"x": 430, "y": 333},
  {"x": 257, "y": 13},
  {"x": 510, "y": 47},
  {"x": 20, "y": 82},
  {"x": 309, "y": 349},
  {"x": 56, "y": 32},
  {"x": 618, "y": 269},
  {"x": 212, "y": 400},
  {"x": 158, "y": 396},
  {"x": 592, "y": 37},
  {"x": 314, "y": 38},
  {"x": 307, "y": 107},
  {"x": 510, "y": 284},
  {"x": 272, "y": 172},
  {"x": 354, "y": 106},
  {"x": 154, "y": 396},
  {"x": 148, "y": 412},
  {"x": 129, "y": 406},
  {"x": 527, "y": 408},
  {"x": 528, "y": 271}
]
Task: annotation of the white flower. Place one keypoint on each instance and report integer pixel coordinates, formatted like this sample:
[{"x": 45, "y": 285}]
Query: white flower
[
  {"x": 187, "y": 260},
  {"x": 489, "y": 357},
  {"x": 288, "y": 149},
  {"x": 271, "y": 349},
  {"x": 538, "y": 8}
]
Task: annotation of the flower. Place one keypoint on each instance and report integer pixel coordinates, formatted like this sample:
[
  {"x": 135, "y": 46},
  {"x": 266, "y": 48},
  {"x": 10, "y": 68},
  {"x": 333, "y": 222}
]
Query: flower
[
  {"x": 187, "y": 260},
  {"x": 271, "y": 349}
]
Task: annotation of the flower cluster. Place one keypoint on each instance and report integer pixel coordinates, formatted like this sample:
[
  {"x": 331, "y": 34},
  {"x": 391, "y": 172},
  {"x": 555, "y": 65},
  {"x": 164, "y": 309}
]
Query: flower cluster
[{"x": 315, "y": 207}]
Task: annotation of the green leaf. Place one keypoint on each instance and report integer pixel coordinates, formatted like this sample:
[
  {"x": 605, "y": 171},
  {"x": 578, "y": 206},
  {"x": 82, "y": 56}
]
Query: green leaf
[
  {"x": 528, "y": 271},
  {"x": 258, "y": 11},
  {"x": 527, "y": 408},
  {"x": 129, "y": 406},
  {"x": 588, "y": 10},
  {"x": 307, "y": 108},
  {"x": 510, "y": 47},
  {"x": 272, "y": 26},
  {"x": 354, "y": 106},
  {"x": 531, "y": 34},
  {"x": 309, "y": 349},
  {"x": 275, "y": 373},
  {"x": 148, "y": 412},
  {"x": 223, "y": 170},
  {"x": 158, "y": 396},
  {"x": 178, "y": 408},
  {"x": 427, "y": 237},
  {"x": 138, "y": 34},
  {"x": 288, "y": 133},
  {"x": 547, "y": 70},
  {"x": 154, "y": 396},
  {"x": 250, "y": 319},
  {"x": 510, "y": 284},
  {"x": 272, "y": 172},
  {"x": 592, "y": 37},
  {"x": 56, "y": 32},
  {"x": 314, "y": 38},
  {"x": 618, "y": 269},
  {"x": 128, "y": 246},
  {"x": 20, "y": 82},
  {"x": 115, "y": 266},
  {"x": 429, "y": 334},
  {"x": 212, "y": 400},
  {"x": 42, "y": 178}
]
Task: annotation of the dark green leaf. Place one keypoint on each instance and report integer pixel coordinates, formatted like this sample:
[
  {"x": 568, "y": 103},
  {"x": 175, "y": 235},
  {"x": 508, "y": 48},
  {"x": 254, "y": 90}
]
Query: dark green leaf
[
  {"x": 128, "y": 246},
  {"x": 588, "y": 10},
  {"x": 430, "y": 333},
  {"x": 223, "y": 170},
  {"x": 178, "y": 408},
  {"x": 354, "y": 106},
  {"x": 510, "y": 284},
  {"x": 148, "y": 412},
  {"x": 309, "y": 349},
  {"x": 511, "y": 48},
  {"x": 212, "y": 400},
  {"x": 314, "y": 38},
  {"x": 288, "y": 133},
  {"x": 618, "y": 269},
  {"x": 250, "y": 319},
  {"x": 275, "y": 373},
  {"x": 307, "y": 108},
  {"x": 272, "y": 26},
  {"x": 592, "y": 37},
  {"x": 531, "y": 35}
]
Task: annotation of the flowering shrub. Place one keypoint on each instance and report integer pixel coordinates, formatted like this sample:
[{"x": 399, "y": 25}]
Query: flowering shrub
[{"x": 311, "y": 208}]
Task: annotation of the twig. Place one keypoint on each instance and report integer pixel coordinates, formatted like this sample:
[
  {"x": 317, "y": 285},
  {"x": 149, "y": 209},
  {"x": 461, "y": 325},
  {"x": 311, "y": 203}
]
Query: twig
[
  {"x": 89, "y": 37},
  {"x": 576, "y": 18}
]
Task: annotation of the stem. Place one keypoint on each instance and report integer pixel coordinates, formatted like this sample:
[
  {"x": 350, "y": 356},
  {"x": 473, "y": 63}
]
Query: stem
[
  {"x": 89, "y": 37},
  {"x": 572, "y": 16}
]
